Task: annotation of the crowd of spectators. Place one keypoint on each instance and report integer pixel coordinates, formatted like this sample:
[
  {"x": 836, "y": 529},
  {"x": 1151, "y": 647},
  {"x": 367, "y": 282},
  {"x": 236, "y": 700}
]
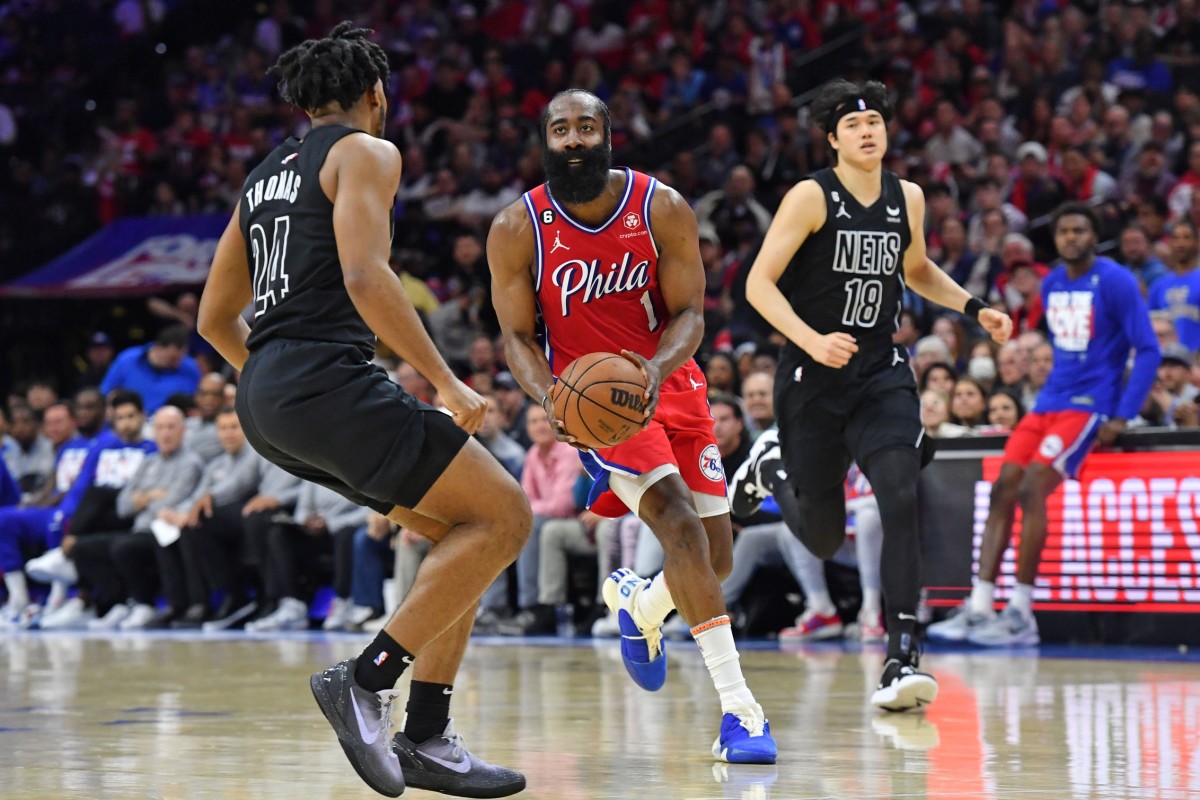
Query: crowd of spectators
[{"x": 1002, "y": 112}]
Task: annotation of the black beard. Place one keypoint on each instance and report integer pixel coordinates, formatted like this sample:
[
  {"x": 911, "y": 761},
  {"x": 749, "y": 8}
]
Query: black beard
[{"x": 579, "y": 184}]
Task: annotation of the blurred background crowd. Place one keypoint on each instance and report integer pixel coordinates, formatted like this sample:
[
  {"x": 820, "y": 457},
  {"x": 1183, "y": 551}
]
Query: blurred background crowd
[{"x": 112, "y": 108}]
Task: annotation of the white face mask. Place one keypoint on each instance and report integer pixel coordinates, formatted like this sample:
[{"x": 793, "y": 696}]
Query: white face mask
[{"x": 981, "y": 368}]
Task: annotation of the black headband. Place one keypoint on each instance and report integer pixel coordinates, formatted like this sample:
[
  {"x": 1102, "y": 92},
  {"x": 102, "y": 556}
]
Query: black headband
[{"x": 852, "y": 106}]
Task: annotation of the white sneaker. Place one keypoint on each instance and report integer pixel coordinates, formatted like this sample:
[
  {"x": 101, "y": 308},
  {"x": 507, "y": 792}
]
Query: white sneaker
[
  {"x": 52, "y": 566},
  {"x": 139, "y": 617},
  {"x": 870, "y": 626},
  {"x": 110, "y": 621},
  {"x": 375, "y": 624},
  {"x": 290, "y": 615},
  {"x": 606, "y": 627},
  {"x": 11, "y": 617},
  {"x": 71, "y": 615},
  {"x": 1010, "y": 628},
  {"x": 344, "y": 615},
  {"x": 357, "y": 616},
  {"x": 960, "y": 625}
]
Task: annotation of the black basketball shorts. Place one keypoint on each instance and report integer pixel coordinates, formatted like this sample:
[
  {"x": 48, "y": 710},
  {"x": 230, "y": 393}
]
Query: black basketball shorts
[
  {"x": 324, "y": 413},
  {"x": 828, "y": 418}
]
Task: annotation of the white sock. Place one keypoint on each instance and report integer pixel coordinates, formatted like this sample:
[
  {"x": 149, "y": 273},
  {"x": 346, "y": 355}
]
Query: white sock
[
  {"x": 57, "y": 596},
  {"x": 715, "y": 640},
  {"x": 655, "y": 601},
  {"x": 821, "y": 603},
  {"x": 872, "y": 600},
  {"x": 18, "y": 590},
  {"x": 983, "y": 596},
  {"x": 1022, "y": 598}
]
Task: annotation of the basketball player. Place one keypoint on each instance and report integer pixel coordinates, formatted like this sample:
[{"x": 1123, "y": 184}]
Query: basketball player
[
  {"x": 1096, "y": 315},
  {"x": 830, "y": 277},
  {"x": 309, "y": 246},
  {"x": 609, "y": 260}
]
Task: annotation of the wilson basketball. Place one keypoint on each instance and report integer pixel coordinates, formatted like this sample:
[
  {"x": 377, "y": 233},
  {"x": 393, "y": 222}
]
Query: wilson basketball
[{"x": 598, "y": 399}]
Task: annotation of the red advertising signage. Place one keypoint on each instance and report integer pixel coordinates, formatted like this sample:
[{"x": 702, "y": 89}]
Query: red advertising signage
[{"x": 1124, "y": 537}]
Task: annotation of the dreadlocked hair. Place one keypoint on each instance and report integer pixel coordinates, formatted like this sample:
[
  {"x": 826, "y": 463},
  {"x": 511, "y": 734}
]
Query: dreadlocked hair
[{"x": 342, "y": 67}]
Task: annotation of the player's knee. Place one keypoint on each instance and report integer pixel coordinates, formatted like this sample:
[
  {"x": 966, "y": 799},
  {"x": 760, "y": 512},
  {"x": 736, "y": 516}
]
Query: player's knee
[
  {"x": 515, "y": 520},
  {"x": 1004, "y": 492},
  {"x": 1031, "y": 492}
]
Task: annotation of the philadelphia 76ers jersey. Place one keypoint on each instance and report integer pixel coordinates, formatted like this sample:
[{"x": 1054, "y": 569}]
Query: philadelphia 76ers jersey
[{"x": 597, "y": 288}]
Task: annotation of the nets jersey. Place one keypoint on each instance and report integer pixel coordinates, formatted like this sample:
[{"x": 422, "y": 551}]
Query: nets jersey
[
  {"x": 287, "y": 222},
  {"x": 849, "y": 275},
  {"x": 597, "y": 288}
]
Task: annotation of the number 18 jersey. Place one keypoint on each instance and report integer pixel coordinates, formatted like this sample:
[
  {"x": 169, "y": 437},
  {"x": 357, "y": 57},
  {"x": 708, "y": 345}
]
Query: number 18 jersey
[
  {"x": 849, "y": 275},
  {"x": 295, "y": 272},
  {"x": 597, "y": 288}
]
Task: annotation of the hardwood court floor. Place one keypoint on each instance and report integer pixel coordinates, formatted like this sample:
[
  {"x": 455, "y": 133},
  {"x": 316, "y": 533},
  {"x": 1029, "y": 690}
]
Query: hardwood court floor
[{"x": 165, "y": 716}]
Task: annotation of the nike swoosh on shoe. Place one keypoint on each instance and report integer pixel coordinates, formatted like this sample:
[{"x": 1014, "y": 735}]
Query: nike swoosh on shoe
[
  {"x": 461, "y": 767},
  {"x": 368, "y": 736}
]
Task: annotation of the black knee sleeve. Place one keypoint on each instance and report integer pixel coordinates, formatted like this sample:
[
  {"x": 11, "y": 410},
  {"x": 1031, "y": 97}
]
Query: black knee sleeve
[{"x": 821, "y": 521}]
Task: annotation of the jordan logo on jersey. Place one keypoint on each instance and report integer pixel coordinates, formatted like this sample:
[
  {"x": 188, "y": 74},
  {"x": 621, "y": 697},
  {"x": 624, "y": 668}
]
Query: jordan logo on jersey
[
  {"x": 842, "y": 212},
  {"x": 558, "y": 245},
  {"x": 1070, "y": 317},
  {"x": 867, "y": 252},
  {"x": 579, "y": 277}
]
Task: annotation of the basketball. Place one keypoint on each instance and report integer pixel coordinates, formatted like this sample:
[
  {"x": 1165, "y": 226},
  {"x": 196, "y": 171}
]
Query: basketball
[{"x": 598, "y": 399}]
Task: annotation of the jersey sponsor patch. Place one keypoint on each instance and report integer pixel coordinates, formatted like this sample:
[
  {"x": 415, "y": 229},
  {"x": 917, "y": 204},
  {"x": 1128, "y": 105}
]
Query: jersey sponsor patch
[
  {"x": 632, "y": 220},
  {"x": 710, "y": 463},
  {"x": 1071, "y": 320}
]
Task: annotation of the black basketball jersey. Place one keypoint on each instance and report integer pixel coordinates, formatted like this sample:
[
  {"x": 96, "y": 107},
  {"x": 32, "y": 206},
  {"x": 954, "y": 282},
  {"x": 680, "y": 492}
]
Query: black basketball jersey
[
  {"x": 849, "y": 275},
  {"x": 294, "y": 269}
]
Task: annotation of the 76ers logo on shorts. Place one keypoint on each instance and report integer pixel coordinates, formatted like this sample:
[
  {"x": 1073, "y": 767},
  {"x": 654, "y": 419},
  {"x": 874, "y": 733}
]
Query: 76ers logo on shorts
[
  {"x": 1052, "y": 446},
  {"x": 710, "y": 463}
]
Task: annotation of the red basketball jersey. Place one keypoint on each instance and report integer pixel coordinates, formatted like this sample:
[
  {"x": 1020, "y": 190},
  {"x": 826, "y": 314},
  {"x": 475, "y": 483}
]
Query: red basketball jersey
[{"x": 597, "y": 288}]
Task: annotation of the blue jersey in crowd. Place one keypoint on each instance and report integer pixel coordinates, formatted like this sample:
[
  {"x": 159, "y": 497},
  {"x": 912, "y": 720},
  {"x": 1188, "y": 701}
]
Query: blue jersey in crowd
[
  {"x": 132, "y": 370},
  {"x": 1094, "y": 322},
  {"x": 109, "y": 464},
  {"x": 1179, "y": 294}
]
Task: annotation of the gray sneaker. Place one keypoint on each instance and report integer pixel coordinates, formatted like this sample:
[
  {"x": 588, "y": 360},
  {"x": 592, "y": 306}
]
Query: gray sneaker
[
  {"x": 1011, "y": 628},
  {"x": 961, "y": 623},
  {"x": 443, "y": 764},
  {"x": 362, "y": 721}
]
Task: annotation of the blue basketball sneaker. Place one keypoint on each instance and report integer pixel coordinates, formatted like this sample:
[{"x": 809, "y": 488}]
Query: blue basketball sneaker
[
  {"x": 745, "y": 738},
  {"x": 642, "y": 646}
]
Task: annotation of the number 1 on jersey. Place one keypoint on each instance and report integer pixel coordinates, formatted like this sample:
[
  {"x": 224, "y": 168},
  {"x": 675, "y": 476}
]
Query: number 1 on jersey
[
  {"x": 270, "y": 271},
  {"x": 649, "y": 306}
]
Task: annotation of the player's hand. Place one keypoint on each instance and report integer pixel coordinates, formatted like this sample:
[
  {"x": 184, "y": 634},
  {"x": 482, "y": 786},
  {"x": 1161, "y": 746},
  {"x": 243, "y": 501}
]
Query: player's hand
[
  {"x": 653, "y": 381},
  {"x": 998, "y": 324},
  {"x": 260, "y": 502},
  {"x": 560, "y": 430},
  {"x": 466, "y": 407},
  {"x": 1186, "y": 415},
  {"x": 833, "y": 349},
  {"x": 1109, "y": 431}
]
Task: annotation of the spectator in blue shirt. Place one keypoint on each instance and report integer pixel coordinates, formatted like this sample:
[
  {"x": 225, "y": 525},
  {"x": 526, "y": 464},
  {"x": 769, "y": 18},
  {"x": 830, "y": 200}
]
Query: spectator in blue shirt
[{"x": 156, "y": 370}]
